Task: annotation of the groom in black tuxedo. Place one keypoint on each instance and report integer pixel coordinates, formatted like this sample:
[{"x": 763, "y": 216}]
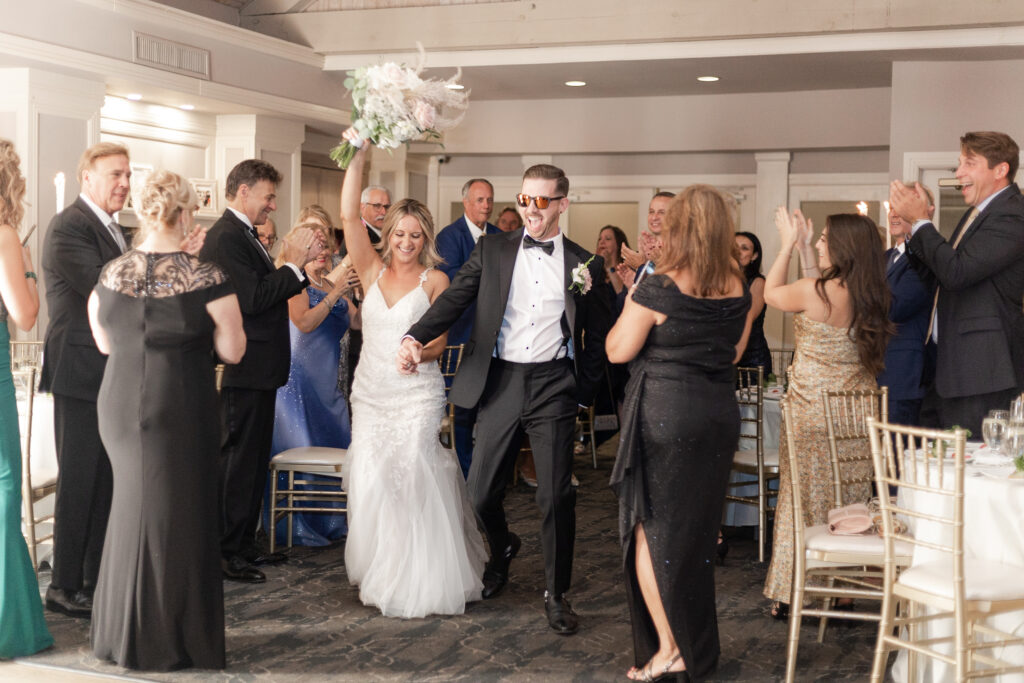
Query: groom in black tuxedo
[{"x": 535, "y": 355}]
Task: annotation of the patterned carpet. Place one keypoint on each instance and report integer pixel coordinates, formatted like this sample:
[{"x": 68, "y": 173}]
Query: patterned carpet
[{"x": 307, "y": 624}]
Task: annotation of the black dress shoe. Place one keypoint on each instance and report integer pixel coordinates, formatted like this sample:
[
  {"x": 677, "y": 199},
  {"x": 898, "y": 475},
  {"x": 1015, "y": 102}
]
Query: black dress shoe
[
  {"x": 71, "y": 603},
  {"x": 237, "y": 569},
  {"x": 561, "y": 618},
  {"x": 496, "y": 573},
  {"x": 256, "y": 555}
]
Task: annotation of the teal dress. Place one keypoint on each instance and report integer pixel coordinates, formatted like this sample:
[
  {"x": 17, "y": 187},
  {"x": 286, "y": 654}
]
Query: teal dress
[{"x": 22, "y": 627}]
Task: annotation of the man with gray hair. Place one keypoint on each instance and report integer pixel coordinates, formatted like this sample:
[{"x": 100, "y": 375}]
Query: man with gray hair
[
  {"x": 455, "y": 243},
  {"x": 373, "y": 205}
]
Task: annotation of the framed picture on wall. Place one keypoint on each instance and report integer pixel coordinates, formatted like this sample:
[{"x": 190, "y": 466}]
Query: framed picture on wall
[
  {"x": 140, "y": 174},
  {"x": 206, "y": 190}
]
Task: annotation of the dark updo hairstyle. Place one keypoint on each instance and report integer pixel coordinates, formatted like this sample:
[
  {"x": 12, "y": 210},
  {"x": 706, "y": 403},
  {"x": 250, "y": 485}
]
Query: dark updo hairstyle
[{"x": 858, "y": 263}]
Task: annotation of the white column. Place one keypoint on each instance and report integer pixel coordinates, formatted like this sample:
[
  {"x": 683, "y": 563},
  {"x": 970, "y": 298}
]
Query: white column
[
  {"x": 276, "y": 141},
  {"x": 772, "y": 192},
  {"x": 51, "y": 118}
]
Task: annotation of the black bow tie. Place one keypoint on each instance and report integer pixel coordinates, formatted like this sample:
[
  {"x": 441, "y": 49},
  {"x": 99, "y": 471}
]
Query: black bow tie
[
  {"x": 548, "y": 247},
  {"x": 255, "y": 234}
]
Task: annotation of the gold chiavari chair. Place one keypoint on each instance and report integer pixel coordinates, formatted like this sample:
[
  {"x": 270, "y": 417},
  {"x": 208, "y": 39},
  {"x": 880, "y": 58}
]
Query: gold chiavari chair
[
  {"x": 307, "y": 467},
  {"x": 36, "y": 486},
  {"x": 757, "y": 461},
  {"x": 449, "y": 361},
  {"x": 821, "y": 559},
  {"x": 26, "y": 354},
  {"x": 943, "y": 584}
]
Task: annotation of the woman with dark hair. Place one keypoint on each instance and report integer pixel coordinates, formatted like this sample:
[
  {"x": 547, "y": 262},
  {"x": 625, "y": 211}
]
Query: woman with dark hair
[
  {"x": 682, "y": 325},
  {"x": 22, "y": 626},
  {"x": 609, "y": 246},
  {"x": 749, "y": 254},
  {"x": 842, "y": 327}
]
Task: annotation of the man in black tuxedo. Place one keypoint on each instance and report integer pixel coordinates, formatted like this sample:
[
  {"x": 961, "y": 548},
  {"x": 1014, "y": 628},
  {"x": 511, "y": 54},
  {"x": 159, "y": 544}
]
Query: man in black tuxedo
[
  {"x": 250, "y": 387},
  {"x": 977, "y": 328},
  {"x": 535, "y": 354},
  {"x": 910, "y": 310},
  {"x": 80, "y": 240}
]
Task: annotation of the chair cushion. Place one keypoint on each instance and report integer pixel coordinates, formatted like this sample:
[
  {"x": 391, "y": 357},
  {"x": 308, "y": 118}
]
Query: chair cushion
[
  {"x": 983, "y": 579},
  {"x": 748, "y": 458},
  {"x": 311, "y": 455},
  {"x": 43, "y": 477},
  {"x": 819, "y": 539}
]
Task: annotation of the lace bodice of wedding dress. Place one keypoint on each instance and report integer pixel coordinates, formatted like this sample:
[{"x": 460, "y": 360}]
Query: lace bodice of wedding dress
[{"x": 413, "y": 547}]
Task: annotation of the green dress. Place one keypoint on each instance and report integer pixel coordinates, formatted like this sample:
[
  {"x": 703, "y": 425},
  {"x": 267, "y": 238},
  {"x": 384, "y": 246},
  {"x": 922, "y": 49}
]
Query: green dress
[{"x": 22, "y": 627}]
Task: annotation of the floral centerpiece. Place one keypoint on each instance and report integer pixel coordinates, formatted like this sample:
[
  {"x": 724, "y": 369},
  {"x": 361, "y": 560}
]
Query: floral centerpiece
[{"x": 392, "y": 105}]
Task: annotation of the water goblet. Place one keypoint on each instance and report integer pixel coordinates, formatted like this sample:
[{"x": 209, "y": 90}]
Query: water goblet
[
  {"x": 1014, "y": 441},
  {"x": 994, "y": 431},
  {"x": 1017, "y": 409}
]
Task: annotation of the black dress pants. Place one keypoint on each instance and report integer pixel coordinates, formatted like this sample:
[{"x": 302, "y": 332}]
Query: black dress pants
[
  {"x": 85, "y": 485},
  {"x": 248, "y": 428},
  {"x": 538, "y": 399}
]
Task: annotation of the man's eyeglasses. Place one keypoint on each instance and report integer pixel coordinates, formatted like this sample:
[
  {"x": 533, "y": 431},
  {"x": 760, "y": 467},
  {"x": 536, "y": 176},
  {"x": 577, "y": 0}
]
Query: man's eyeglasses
[
  {"x": 542, "y": 202},
  {"x": 268, "y": 239},
  {"x": 380, "y": 207}
]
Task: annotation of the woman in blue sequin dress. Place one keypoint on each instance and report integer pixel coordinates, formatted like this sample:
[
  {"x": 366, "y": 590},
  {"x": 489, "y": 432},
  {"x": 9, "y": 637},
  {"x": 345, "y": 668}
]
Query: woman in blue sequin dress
[{"x": 311, "y": 410}]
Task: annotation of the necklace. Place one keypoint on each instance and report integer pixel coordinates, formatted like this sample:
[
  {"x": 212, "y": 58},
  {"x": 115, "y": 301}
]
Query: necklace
[{"x": 319, "y": 285}]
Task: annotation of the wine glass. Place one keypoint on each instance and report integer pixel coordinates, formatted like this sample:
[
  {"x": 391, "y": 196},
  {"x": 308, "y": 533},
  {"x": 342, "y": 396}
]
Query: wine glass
[
  {"x": 1014, "y": 441},
  {"x": 1017, "y": 409}
]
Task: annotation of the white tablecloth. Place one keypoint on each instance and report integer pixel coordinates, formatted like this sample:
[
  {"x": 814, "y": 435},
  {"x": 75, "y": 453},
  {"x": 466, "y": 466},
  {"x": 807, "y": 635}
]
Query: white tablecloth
[
  {"x": 993, "y": 530},
  {"x": 740, "y": 514}
]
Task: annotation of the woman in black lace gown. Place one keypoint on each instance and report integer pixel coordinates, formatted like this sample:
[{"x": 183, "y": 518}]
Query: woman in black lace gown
[
  {"x": 680, "y": 426},
  {"x": 160, "y": 313}
]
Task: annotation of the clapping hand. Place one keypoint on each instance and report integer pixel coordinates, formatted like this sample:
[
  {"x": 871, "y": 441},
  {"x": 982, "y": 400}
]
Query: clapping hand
[
  {"x": 910, "y": 203},
  {"x": 650, "y": 246},
  {"x": 631, "y": 258},
  {"x": 625, "y": 273},
  {"x": 793, "y": 229},
  {"x": 409, "y": 353},
  {"x": 302, "y": 246},
  {"x": 345, "y": 276},
  {"x": 193, "y": 242}
]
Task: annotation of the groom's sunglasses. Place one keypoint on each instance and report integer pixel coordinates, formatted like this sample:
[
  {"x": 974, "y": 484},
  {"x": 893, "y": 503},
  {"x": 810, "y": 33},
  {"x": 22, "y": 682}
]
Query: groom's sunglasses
[{"x": 542, "y": 202}]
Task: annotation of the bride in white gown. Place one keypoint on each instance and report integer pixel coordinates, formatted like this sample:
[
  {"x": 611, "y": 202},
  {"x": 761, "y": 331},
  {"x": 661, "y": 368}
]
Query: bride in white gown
[{"x": 413, "y": 546}]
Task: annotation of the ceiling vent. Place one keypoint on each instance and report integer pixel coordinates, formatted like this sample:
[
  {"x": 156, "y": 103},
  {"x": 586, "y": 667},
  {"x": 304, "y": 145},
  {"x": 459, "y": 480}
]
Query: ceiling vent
[{"x": 168, "y": 55}]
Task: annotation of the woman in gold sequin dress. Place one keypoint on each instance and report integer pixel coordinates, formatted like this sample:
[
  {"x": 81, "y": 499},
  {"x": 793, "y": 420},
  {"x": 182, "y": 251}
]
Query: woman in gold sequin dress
[{"x": 841, "y": 306}]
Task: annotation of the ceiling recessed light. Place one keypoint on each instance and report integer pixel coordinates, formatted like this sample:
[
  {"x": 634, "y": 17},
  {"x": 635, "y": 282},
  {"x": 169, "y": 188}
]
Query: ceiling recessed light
[
  {"x": 133, "y": 96},
  {"x": 575, "y": 84},
  {"x": 187, "y": 107},
  {"x": 707, "y": 79},
  {"x": 455, "y": 86}
]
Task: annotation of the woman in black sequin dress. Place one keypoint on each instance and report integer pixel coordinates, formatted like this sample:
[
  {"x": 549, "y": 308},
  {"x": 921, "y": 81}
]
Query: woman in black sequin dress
[
  {"x": 680, "y": 427},
  {"x": 160, "y": 313}
]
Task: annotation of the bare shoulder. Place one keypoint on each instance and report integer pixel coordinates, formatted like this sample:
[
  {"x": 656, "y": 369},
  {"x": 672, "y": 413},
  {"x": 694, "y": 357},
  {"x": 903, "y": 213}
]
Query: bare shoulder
[
  {"x": 436, "y": 282},
  {"x": 8, "y": 235}
]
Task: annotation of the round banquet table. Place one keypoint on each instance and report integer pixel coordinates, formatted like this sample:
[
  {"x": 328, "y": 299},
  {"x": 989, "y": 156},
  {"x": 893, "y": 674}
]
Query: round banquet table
[{"x": 993, "y": 530}]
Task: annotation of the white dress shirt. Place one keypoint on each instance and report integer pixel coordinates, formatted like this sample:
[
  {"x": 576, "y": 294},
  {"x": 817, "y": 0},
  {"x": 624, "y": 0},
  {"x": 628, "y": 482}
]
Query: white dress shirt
[
  {"x": 245, "y": 219},
  {"x": 106, "y": 219},
  {"x": 531, "y": 331},
  {"x": 474, "y": 230}
]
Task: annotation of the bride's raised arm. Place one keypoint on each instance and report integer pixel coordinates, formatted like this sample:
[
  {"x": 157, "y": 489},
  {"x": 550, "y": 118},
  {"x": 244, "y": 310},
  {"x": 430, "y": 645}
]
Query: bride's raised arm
[{"x": 365, "y": 258}]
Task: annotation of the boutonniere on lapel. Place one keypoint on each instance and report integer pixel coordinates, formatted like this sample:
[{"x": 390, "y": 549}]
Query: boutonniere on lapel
[{"x": 581, "y": 280}]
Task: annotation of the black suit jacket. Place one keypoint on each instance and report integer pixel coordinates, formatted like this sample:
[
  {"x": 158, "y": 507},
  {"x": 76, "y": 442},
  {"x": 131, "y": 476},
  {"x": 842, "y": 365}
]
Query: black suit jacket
[
  {"x": 263, "y": 294},
  {"x": 75, "y": 249},
  {"x": 910, "y": 310},
  {"x": 486, "y": 278},
  {"x": 980, "y": 322},
  {"x": 374, "y": 240}
]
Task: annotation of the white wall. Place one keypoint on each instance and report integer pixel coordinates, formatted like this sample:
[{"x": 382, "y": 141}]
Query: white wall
[{"x": 934, "y": 103}]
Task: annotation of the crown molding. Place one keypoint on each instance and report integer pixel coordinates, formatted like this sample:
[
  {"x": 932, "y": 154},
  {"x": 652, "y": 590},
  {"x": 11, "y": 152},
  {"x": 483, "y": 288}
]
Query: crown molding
[
  {"x": 874, "y": 41},
  {"x": 107, "y": 68},
  {"x": 145, "y": 10}
]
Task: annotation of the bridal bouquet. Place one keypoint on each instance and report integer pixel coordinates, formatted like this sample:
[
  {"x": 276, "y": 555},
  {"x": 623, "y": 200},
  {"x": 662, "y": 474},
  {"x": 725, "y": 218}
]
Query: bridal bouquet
[{"x": 392, "y": 105}]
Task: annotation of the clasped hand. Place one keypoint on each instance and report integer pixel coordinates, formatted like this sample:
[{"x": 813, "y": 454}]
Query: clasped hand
[
  {"x": 409, "y": 354},
  {"x": 909, "y": 203}
]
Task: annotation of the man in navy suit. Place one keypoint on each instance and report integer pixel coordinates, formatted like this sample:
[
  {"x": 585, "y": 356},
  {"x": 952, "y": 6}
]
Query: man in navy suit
[
  {"x": 977, "y": 328},
  {"x": 910, "y": 310},
  {"x": 455, "y": 243}
]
